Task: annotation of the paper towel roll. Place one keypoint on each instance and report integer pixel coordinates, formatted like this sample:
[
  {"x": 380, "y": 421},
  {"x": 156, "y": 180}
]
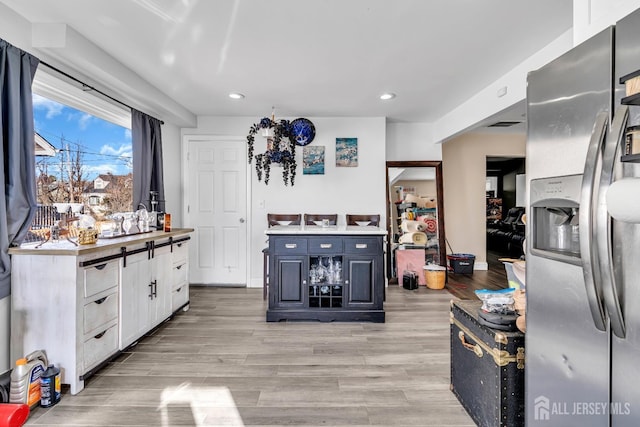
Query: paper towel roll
[
  {"x": 623, "y": 200},
  {"x": 415, "y": 238},
  {"x": 412, "y": 226}
]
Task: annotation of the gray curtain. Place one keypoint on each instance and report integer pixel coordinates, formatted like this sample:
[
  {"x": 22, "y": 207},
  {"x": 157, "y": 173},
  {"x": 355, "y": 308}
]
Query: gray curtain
[
  {"x": 148, "y": 174},
  {"x": 17, "y": 207}
]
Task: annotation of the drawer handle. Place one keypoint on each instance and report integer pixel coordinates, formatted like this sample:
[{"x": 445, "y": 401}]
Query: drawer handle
[
  {"x": 325, "y": 245},
  {"x": 179, "y": 245},
  {"x": 179, "y": 289},
  {"x": 291, "y": 245},
  {"x": 179, "y": 267},
  {"x": 361, "y": 246},
  {"x": 101, "y": 300},
  {"x": 475, "y": 348},
  {"x": 100, "y": 335},
  {"x": 101, "y": 266}
]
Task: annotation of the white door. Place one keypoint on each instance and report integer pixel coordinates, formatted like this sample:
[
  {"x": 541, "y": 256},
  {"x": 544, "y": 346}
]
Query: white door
[{"x": 216, "y": 208}]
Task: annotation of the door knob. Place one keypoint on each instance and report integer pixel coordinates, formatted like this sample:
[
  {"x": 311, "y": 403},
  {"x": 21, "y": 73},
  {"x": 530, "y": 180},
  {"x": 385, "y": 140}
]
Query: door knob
[{"x": 241, "y": 220}]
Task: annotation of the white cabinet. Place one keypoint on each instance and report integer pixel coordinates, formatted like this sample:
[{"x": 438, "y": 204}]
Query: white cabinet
[
  {"x": 85, "y": 304},
  {"x": 146, "y": 293},
  {"x": 67, "y": 310},
  {"x": 179, "y": 276}
]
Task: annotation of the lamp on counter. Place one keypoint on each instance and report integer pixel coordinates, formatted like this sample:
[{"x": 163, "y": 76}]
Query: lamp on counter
[{"x": 280, "y": 148}]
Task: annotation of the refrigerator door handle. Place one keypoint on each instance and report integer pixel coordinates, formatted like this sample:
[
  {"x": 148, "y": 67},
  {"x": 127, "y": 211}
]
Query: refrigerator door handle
[
  {"x": 586, "y": 229},
  {"x": 603, "y": 237}
]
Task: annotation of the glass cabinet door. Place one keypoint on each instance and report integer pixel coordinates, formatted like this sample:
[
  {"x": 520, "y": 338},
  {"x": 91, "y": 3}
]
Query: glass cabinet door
[{"x": 326, "y": 282}]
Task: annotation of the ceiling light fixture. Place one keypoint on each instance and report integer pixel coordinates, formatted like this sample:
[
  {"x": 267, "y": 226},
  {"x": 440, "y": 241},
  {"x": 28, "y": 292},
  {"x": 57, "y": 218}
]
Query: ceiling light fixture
[
  {"x": 236, "y": 95},
  {"x": 387, "y": 96}
]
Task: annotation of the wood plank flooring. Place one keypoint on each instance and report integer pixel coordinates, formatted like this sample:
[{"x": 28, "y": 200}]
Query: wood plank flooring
[
  {"x": 221, "y": 364},
  {"x": 495, "y": 277}
]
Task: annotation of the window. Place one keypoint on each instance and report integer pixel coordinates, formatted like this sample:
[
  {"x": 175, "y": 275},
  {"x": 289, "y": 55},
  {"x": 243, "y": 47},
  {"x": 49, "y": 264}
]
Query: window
[{"x": 83, "y": 148}]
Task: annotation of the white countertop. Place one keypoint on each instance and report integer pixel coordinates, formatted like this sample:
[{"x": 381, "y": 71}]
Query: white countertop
[
  {"x": 355, "y": 230},
  {"x": 65, "y": 247}
]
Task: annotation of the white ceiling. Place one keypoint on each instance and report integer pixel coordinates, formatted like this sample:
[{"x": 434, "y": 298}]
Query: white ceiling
[{"x": 314, "y": 57}]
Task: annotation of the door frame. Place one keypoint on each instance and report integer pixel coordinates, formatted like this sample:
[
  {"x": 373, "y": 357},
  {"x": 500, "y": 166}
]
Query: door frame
[
  {"x": 186, "y": 138},
  {"x": 437, "y": 164}
]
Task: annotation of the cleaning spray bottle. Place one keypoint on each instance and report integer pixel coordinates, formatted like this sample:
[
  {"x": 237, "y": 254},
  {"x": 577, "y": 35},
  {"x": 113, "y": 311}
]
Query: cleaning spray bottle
[{"x": 25, "y": 378}]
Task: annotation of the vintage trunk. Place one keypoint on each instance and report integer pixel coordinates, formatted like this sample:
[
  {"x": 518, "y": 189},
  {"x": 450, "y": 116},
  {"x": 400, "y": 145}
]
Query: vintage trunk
[{"x": 487, "y": 368}]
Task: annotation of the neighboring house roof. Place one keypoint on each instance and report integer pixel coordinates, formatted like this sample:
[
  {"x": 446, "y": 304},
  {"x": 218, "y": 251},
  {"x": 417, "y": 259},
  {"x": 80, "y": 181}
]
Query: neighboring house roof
[{"x": 43, "y": 147}]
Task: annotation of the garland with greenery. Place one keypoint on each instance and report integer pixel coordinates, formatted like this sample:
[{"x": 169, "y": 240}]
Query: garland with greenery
[{"x": 281, "y": 149}]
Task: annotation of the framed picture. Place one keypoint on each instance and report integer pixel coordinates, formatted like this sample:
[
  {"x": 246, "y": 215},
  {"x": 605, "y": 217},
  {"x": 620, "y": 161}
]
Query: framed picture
[
  {"x": 313, "y": 160},
  {"x": 347, "y": 152}
]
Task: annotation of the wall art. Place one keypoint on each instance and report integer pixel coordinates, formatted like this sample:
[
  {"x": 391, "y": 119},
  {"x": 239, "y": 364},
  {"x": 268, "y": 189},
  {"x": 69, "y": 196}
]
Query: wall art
[
  {"x": 347, "y": 152},
  {"x": 313, "y": 160}
]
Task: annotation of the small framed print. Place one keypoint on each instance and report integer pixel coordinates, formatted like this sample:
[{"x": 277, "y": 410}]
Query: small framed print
[
  {"x": 313, "y": 160},
  {"x": 346, "y": 152}
]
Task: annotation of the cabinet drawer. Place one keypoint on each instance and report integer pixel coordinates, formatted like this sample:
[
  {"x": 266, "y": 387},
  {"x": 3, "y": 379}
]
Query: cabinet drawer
[
  {"x": 100, "y": 311},
  {"x": 322, "y": 245},
  {"x": 179, "y": 274},
  {"x": 100, "y": 346},
  {"x": 179, "y": 297},
  {"x": 180, "y": 252},
  {"x": 362, "y": 245},
  {"x": 290, "y": 245},
  {"x": 100, "y": 277}
]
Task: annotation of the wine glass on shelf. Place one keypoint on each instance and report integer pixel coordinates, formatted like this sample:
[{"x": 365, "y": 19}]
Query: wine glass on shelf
[{"x": 126, "y": 225}]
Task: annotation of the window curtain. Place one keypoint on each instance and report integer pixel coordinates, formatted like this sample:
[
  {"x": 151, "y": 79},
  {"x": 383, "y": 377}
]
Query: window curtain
[
  {"x": 148, "y": 174},
  {"x": 18, "y": 206}
]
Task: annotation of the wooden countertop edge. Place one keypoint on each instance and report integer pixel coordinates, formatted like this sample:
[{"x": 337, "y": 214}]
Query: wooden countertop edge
[{"x": 102, "y": 244}]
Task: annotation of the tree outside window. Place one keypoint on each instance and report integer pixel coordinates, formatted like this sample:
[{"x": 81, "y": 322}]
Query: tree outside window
[{"x": 81, "y": 159}]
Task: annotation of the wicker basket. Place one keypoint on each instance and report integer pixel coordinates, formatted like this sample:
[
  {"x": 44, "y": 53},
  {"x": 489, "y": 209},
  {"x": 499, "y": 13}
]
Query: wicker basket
[{"x": 87, "y": 236}]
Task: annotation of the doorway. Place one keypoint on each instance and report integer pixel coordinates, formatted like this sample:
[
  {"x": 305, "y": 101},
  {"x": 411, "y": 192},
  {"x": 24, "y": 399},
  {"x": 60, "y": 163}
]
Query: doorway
[
  {"x": 505, "y": 193},
  {"x": 422, "y": 180},
  {"x": 216, "y": 208}
]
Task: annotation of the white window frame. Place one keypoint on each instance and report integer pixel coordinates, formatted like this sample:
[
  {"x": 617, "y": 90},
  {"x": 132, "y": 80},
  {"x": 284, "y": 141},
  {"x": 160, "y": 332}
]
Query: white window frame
[{"x": 49, "y": 84}]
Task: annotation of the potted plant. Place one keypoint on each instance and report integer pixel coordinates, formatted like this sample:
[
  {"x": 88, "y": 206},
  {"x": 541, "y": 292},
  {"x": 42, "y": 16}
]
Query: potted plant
[{"x": 281, "y": 149}]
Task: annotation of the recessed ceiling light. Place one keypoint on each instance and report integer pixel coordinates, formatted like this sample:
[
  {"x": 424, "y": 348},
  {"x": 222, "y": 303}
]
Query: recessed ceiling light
[
  {"x": 387, "y": 96},
  {"x": 236, "y": 95}
]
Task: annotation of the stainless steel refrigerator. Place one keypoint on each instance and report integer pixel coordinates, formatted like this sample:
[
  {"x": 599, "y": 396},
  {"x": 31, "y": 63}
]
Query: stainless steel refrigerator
[{"x": 583, "y": 266}]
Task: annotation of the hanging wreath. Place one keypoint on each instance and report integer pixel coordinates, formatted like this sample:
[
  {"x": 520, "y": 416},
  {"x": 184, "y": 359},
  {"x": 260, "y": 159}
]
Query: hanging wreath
[{"x": 281, "y": 149}]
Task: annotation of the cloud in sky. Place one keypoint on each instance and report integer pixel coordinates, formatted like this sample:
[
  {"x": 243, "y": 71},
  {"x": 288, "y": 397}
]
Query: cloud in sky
[
  {"x": 52, "y": 108},
  {"x": 84, "y": 120},
  {"x": 123, "y": 150},
  {"x": 105, "y": 168}
]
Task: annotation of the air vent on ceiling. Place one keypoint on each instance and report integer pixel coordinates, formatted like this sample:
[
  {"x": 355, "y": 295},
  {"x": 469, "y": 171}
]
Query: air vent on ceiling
[{"x": 503, "y": 124}]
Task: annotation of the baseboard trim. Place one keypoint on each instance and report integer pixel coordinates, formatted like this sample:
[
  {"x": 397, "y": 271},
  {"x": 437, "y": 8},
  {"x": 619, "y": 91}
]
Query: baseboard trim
[{"x": 482, "y": 265}]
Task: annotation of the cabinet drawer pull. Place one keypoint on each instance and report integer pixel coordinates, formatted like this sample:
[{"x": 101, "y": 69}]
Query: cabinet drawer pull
[
  {"x": 179, "y": 245},
  {"x": 179, "y": 289},
  {"x": 326, "y": 245},
  {"x": 361, "y": 246},
  {"x": 291, "y": 245},
  {"x": 100, "y": 335},
  {"x": 179, "y": 267},
  {"x": 101, "y": 300},
  {"x": 101, "y": 266}
]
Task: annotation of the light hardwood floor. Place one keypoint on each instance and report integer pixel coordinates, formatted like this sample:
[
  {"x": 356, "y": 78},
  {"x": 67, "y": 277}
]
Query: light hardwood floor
[{"x": 221, "y": 364}]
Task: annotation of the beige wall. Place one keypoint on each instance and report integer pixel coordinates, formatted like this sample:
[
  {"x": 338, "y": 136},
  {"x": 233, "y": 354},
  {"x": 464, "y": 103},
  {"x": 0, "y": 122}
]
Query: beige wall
[
  {"x": 464, "y": 176},
  {"x": 424, "y": 188}
]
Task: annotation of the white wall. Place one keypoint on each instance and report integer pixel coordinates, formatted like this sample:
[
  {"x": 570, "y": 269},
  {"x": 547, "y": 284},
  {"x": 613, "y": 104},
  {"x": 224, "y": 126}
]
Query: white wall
[
  {"x": 487, "y": 102},
  {"x": 340, "y": 190},
  {"x": 592, "y": 16},
  {"x": 412, "y": 141}
]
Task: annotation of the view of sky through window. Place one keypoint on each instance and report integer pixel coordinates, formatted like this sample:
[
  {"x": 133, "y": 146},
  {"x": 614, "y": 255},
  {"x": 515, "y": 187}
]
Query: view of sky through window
[{"x": 103, "y": 147}]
